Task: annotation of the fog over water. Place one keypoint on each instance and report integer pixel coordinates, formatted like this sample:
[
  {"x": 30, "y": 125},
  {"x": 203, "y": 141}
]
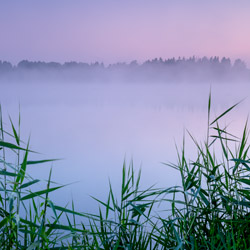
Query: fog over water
[{"x": 94, "y": 127}]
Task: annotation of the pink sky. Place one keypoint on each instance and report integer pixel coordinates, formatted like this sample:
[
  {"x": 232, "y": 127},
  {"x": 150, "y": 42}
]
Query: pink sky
[{"x": 112, "y": 31}]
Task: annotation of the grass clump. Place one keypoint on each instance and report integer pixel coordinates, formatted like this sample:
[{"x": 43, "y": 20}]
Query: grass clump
[
  {"x": 28, "y": 218},
  {"x": 210, "y": 209}
]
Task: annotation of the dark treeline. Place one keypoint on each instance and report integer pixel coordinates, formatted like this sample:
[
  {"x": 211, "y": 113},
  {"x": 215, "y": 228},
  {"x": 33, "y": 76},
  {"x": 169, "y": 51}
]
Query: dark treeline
[{"x": 156, "y": 70}]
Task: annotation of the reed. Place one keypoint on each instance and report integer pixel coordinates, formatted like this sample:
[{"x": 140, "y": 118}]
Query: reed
[{"x": 210, "y": 209}]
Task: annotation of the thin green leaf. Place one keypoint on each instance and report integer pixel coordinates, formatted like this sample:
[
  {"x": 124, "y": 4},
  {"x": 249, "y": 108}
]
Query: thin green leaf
[
  {"x": 15, "y": 133},
  {"x": 41, "y": 161},
  {"x": 224, "y": 113},
  {"x": 29, "y": 183},
  {"x": 39, "y": 193}
]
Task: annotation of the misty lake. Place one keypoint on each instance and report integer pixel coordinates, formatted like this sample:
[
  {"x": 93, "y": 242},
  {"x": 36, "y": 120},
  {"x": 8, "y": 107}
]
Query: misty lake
[{"x": 93, "y": 128}]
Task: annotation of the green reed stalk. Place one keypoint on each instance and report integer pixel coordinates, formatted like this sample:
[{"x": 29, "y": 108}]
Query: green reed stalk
[{"x": 209, "y": 209}]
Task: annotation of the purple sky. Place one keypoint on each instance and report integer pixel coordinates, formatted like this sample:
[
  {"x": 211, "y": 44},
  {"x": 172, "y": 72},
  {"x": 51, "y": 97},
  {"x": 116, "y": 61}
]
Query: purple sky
[{"x": 111, "y": 31}]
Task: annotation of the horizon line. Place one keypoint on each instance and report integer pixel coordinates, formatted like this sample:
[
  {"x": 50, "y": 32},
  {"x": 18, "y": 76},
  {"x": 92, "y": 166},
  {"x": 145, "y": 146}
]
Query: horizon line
[{"x": 139, "y": 62}]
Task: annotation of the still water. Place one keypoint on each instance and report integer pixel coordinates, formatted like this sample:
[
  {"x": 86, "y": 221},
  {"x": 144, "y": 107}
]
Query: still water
[{"x": 93, "y": 128}]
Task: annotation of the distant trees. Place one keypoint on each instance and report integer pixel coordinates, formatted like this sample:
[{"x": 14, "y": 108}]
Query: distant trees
[
  {"x": 240, "y": 65},
  {"x": 5, "y": 66},
  {"x": 197, "y": 62},
  {"x": 25, "y": 64},
  {"x": 172, "y": 69},
  {"x": 226, "y": 62}
]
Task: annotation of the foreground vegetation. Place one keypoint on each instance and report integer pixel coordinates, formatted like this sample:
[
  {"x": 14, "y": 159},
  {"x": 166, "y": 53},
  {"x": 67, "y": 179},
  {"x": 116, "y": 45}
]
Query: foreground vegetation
[{"x": 209, "y": 210}]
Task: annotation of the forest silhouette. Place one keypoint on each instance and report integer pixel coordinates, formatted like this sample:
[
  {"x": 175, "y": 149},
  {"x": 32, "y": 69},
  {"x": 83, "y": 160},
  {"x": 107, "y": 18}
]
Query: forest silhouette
[{"x": 157, "y": 70}]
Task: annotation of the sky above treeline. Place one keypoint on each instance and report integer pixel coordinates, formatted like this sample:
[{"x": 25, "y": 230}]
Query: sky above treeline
[{"x": 110, "y": 31}]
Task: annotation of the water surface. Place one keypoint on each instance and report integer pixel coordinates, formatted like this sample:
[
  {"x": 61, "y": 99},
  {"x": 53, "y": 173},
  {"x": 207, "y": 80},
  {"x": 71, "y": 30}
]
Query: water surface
[{"x": 95, "y": 127}]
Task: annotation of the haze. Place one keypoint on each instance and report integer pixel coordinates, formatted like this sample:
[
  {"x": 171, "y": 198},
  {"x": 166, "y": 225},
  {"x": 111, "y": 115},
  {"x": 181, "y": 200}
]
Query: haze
[
  {"x": 112, "y": 31},
  {"x": 80, "y": 113}
]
